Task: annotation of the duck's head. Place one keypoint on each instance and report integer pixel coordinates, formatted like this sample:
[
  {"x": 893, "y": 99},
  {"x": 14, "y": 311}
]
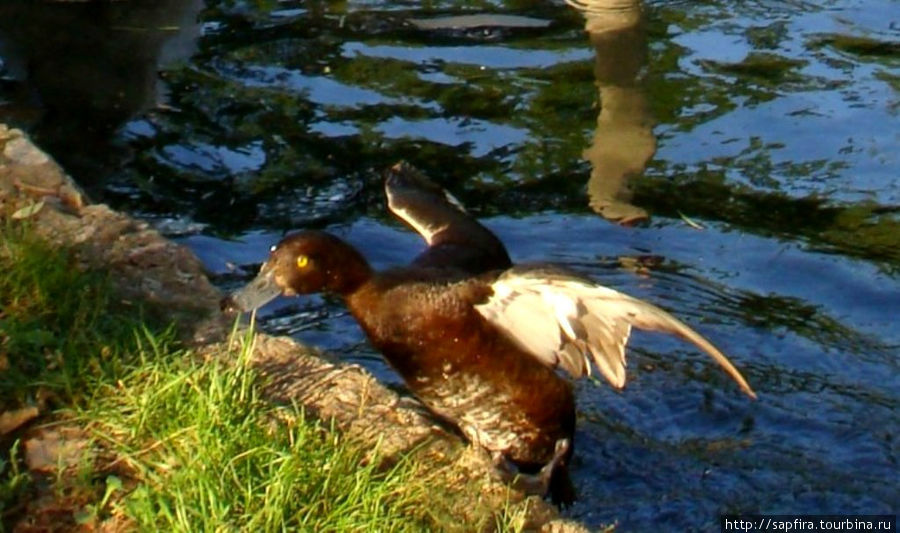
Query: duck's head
[{"x": 302, "y": 263}]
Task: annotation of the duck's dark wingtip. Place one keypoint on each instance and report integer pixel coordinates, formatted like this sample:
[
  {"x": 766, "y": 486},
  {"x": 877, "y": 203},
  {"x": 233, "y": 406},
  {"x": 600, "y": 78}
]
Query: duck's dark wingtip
[
  {"x": 454, "y": 237},
  {"x": 400, "y": 169},
  {"x": 401, "y": 166},
  {"x": 423, "y": 204},
  {"x": 403, "y": 179}
]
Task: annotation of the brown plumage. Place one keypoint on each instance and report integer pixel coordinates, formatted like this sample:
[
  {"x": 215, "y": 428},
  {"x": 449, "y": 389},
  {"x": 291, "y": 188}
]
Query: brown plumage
[{"x": 478, "y": 342}]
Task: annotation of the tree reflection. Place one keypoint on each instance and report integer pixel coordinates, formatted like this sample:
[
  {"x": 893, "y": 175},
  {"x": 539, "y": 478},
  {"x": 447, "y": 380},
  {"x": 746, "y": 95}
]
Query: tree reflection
[{"x": 623, "y": 141}]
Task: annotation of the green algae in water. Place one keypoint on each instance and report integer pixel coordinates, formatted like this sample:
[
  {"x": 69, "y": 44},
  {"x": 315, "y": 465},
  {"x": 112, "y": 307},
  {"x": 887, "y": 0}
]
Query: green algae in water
[
  {"x": 764, "y": 66},
  {"x": 861, "y": 46}
]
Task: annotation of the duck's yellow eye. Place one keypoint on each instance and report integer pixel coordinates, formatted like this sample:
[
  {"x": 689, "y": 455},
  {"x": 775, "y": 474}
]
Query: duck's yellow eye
[{"x": 302, "y": 261}]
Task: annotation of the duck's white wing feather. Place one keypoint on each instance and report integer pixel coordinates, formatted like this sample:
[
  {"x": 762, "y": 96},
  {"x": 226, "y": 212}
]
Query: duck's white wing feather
[
  {"x": 568, "y": 322},
  {"x": 427, "y": 207}
]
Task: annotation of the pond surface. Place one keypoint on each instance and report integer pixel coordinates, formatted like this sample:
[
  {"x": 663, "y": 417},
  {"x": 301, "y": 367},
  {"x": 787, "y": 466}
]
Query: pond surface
[{"x": 737, "y": 163}]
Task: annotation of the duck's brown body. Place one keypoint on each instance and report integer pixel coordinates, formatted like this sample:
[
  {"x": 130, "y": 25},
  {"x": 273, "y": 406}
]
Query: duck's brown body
[
  {"x": 425, "y": 324},
  {"x": 476, "y": 339}
]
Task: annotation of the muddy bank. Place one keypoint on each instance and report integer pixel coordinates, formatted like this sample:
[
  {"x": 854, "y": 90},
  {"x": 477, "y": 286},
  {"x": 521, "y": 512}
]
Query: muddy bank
[{"x": 169, "y": 281}]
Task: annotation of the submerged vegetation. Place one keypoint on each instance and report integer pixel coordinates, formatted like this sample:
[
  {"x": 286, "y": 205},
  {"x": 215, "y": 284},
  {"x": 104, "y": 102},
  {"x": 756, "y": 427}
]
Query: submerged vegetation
[{"x": 163, "y": 439}]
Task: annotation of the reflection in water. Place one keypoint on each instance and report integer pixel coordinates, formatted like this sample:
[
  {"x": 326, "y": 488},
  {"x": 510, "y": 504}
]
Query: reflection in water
[
  {"x": 86, "y": 68},
  {"x": 623, "y": 142}
]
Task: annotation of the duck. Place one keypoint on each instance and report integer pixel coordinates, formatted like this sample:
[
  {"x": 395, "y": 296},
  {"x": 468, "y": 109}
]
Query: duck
[{"x": 489, "y": 346}]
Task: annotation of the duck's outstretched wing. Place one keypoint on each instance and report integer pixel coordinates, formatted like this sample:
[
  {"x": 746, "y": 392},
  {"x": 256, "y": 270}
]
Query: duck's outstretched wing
[
  {"x": 454, "y": 238},
  {"x": 569, "y": 322}
]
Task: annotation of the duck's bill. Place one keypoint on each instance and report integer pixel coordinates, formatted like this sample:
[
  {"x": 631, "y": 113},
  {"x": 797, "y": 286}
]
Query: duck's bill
[{"x": 254, "y": 295}]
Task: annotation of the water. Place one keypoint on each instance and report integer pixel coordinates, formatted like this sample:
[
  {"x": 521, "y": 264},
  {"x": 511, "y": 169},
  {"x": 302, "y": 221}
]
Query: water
[{"x": 771, "y": 124}]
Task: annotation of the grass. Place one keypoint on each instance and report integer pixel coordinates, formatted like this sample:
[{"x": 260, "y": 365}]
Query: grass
[
  {"x": 210, "y": 454},
  {"x": 60, "y": 329},
  {"x": 176, "y": 443}
]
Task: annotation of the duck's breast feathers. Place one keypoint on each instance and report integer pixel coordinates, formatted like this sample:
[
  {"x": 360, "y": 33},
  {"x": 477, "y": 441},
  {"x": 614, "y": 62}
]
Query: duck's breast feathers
[
  {"x": 569, "y": 322},
  {"x": 442, "y": 221}
]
